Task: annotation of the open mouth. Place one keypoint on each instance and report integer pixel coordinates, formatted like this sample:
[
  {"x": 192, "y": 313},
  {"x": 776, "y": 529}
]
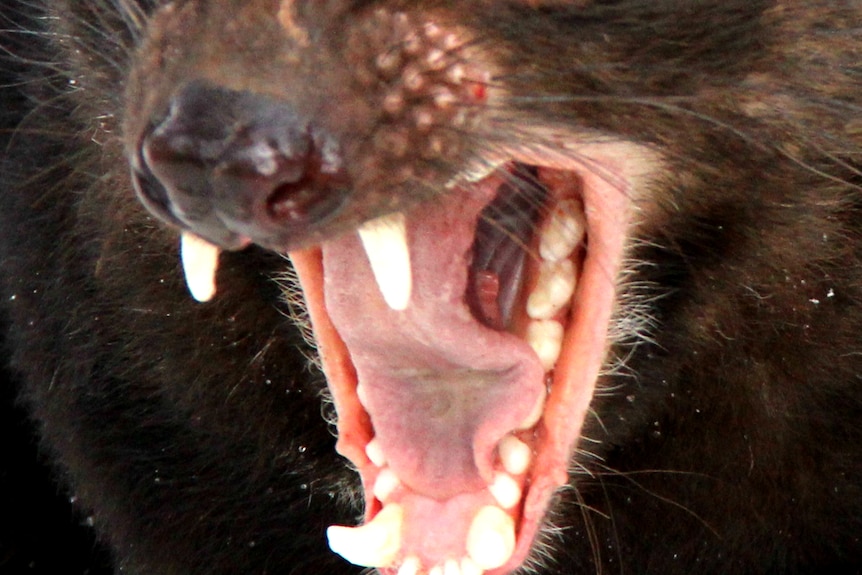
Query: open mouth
[{"x": 461, "y": 342}]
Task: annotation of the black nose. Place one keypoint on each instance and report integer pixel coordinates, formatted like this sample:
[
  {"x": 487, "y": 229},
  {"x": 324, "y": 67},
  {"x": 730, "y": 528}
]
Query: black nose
[{"x": 235, "y": 166}]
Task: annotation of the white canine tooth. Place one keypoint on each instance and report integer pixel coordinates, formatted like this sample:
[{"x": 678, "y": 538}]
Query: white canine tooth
[
  {"x": 385, "y": 243},
  {"x": 515, "y": 455},
  {"x": 200, "y": 262},
  {"x": 546, "y": 338},
  {"x": 536, "y": 414},
  {"x": 553, "y": 290},
  {"x": 375, "y": 544},
  {"x": 562, "y": 233},
  {"x": 469, "y": 567},
  {"x": 410, "y": 566},
  {"x": 374, "y": 451},
  {"x": 385, "y": 484},
  {"x": 491, "y": 538},
  {"x": 505, "y": 490},
  {"x": 451, "y": 567}
]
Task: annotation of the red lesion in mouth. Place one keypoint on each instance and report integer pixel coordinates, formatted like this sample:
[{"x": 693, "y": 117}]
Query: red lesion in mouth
[{"x": 464, "y": 411}]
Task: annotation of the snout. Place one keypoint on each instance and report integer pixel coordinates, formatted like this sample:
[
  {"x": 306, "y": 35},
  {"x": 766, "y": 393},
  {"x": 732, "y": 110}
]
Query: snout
[{"x": 237, "y": 167}]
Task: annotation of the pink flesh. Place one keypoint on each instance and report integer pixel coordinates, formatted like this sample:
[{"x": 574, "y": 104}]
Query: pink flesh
[{"x": 441, "y": 389}]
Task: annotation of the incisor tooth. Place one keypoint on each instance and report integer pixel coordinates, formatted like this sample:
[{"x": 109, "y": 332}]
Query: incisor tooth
[
  {"x": 515, "y": 455},
  {"x": 545, "y": 336},
  {"x": 553, "y": 290},
  {"x": 451, "y": 567},
  {"x": 375, "y": 544},
  {"x": 505, "y": 490},
  {"x": 563, "y": 232},
  {"x": 469, "y": 567},
  {"x": 385, "y": 243},
  {"x": 200, "y": 262},
  {"x": 410, "y": 566},
  {"x": 491, "y": 538}
]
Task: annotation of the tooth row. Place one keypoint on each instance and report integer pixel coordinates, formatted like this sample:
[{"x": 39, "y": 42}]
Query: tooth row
[
  {"x": 490, "y": 543},
  {"x": 385, "y": 243},
  {"x": 562, "y": 233},
  {"x": 200, "y": 263}
]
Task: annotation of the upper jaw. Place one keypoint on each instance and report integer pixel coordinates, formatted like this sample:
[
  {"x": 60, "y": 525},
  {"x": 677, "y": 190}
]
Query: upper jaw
[{"x": 504, "y": 473}]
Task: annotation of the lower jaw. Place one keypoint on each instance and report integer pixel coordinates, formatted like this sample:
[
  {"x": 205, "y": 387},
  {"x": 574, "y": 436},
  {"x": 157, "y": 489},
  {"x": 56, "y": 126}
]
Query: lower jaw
[{"x": 573, "y": 378}]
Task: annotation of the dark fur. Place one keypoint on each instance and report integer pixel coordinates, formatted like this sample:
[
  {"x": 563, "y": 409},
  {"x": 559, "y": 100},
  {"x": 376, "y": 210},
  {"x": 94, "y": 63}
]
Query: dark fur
[{"x": 729, "y": 442}]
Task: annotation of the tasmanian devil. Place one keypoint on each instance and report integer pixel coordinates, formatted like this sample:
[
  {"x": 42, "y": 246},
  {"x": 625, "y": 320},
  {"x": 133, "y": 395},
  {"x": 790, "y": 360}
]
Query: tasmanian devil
[{"x": 484, "y": 286}]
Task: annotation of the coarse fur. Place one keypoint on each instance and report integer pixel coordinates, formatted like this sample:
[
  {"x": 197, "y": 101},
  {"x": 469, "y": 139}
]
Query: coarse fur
[{"x": 726, "y": 436}]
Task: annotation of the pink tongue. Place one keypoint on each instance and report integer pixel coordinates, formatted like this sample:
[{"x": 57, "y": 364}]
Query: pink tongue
[{"x": 441, "y": 389}]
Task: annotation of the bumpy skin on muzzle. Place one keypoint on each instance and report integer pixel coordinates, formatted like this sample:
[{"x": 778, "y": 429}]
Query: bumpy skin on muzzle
[{"x": 235, "y": 166}]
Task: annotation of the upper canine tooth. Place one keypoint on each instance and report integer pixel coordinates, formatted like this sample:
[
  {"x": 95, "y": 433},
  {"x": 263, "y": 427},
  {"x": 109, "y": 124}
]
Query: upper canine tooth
[
  {"x": 563, "y": 232},
  {"x": 385, "y": 243},
  {"x": 491, "y": 538},
  {"x": 375, "y": 544},
  {"x": 200, "y": 262}
]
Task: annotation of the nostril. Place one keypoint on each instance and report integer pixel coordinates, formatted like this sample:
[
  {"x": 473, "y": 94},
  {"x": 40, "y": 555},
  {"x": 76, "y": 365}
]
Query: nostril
[{"x": 309, "y": 196}]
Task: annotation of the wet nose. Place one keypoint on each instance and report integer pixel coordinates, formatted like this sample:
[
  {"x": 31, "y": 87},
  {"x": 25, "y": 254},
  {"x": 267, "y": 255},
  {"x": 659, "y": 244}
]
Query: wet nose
[{"x": 235, "y": 166}]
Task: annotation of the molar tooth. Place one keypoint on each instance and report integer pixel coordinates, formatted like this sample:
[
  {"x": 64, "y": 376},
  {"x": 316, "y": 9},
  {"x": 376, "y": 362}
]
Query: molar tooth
[
  {"x": 374, "y": 451},
  {"x": 553, "y": 290},
  {"x": 536, "y": 414},
  {"x": 469, "y": 567},
  {"x": 410, "y": 566},
  {"x": 491, "y": 538},
  {"x": 375, "y": 544},
  {"x": 515, "y": 455},
  {"x": 385, "y": 243},
  {"x": 563, "y": 232},
  {"x": 200, "y": 262},
  {"x": 546, "y": 338},
  {"x": 505, "y": 490},
  {"x": 385, "y": 484}
]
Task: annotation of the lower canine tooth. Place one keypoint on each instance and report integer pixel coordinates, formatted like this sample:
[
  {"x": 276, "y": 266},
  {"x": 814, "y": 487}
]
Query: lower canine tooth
[
  {"x": 491, "y": 538},
  {"x": 200, "y": 262},
  {"x": 375, "y": 544},
  {"x": 546, "y": 338}
]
